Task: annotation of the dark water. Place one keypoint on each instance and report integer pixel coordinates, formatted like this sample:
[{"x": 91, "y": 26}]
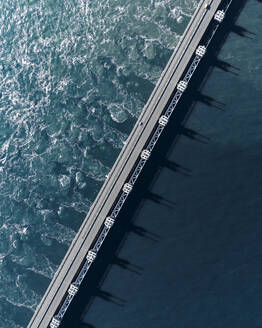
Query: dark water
[{"x": 189, "y": 254}]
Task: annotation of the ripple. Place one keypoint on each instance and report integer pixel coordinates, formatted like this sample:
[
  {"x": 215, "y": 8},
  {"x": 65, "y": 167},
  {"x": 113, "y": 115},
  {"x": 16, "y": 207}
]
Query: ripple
[{"x": 74, "y": 77}]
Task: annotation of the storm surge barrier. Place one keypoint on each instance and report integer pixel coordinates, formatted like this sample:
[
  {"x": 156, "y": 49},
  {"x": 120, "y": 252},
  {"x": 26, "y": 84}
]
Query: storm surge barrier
[{"x": 129, "y": 164}]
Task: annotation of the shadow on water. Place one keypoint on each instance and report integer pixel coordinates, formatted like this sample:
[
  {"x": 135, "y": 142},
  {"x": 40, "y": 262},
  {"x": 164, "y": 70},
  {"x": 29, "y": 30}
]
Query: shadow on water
[
  {"x": 227, "y": 67},
  {"x": 175, "y": 167},
  {"x": 140, "y": 231},
  {"x": 91, "y": 286},
  {"x": 210, "y": 101},
  {"x": 127, "y": 265},
  {"x": 83, "y": 325},
  {"x": 192, "y": 134},
  {"x": 241, "y": 31},
  {"x": 109, "y": 297},
  {"x": 157, "y": 199}
]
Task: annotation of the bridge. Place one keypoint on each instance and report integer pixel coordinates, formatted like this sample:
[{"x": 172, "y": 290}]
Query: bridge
[{"x": 136, "y": 152}]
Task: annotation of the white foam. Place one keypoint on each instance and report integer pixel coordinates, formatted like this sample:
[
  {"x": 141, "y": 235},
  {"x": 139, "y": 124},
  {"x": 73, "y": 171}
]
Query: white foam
[{"x": 69, "y": 76}]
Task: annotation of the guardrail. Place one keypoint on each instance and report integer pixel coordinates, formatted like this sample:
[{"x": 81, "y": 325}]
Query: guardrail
[{"x": 144, "y": 156}]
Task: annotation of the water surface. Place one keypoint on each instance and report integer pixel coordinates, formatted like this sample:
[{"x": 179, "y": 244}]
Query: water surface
[{"x": 74, "y": 77}]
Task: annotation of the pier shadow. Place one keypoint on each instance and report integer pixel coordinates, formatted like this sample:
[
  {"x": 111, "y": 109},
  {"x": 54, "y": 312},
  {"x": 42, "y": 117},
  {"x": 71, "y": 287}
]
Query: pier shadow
[
  {"x": 190, "y": 133},
  {"x": 142, "y": 232},
  {"x": 226, "y": 67},
  {"x": 175, "y": 167},
  {"x": 210, "y": 101},
  {"x": 243, "y": 32},
  {"x": 158, "y": 199},
  {"x": 109, "y": 254},
  {"x": 84, "y": 325},
  {"x": 109, "y": 297},
  {"x": 127, "y": 265}
]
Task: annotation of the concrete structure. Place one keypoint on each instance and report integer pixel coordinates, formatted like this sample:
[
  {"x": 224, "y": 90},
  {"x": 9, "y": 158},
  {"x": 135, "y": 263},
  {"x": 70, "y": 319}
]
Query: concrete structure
[{"x": 129, "y": 164}]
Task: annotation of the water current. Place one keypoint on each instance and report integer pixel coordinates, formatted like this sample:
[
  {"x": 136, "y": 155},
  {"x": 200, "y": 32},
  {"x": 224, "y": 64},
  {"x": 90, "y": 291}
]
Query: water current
[{"x": 74, "y": 76}]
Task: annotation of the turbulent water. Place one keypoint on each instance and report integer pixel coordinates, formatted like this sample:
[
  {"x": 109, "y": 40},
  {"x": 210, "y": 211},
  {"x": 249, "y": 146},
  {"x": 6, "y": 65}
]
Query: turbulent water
[{"x": 75, "y": 75}]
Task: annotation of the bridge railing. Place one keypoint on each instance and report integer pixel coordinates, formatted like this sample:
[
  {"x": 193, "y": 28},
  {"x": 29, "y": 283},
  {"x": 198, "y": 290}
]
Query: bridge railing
[{"x": 127, "y": 188}]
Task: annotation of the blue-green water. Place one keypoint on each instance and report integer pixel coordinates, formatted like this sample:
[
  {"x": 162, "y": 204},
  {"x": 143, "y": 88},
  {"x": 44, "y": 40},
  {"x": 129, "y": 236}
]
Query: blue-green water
[{"x": 75, "y": 75}]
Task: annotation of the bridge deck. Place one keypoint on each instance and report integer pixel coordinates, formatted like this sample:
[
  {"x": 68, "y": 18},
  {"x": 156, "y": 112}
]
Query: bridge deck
[{"x": 124, "y": 164}]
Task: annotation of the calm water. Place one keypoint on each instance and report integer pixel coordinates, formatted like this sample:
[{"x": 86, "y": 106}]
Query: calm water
[
  {"x": 192, "y": 256},
  {"x": 75, "y": 75}
]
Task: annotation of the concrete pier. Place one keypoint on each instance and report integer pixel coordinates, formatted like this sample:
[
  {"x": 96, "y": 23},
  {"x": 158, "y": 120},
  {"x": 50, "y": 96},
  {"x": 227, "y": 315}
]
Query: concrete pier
[{"x": 123, "y": 167}]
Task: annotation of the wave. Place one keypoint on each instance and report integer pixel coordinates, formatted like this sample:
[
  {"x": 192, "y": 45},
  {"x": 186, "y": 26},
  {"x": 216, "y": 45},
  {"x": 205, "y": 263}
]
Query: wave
[{"x": 74, "y": 76}]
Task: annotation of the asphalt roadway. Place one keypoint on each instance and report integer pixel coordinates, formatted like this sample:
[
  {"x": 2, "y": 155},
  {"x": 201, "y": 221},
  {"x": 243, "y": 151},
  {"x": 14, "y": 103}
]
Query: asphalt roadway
[{"x": 124, "y": 164}]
